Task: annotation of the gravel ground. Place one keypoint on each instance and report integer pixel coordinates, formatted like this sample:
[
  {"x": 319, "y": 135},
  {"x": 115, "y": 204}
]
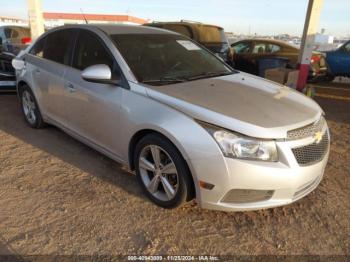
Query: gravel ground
[{"x": 58, "y": 196}]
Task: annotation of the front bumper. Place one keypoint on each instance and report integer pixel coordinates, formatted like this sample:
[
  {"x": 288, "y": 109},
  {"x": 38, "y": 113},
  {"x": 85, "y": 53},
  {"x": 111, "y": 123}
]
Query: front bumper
[{"x": 286, "y": 180}]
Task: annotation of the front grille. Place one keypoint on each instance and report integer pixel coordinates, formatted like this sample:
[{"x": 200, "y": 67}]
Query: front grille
[
  {"x": 306, "y": 131},
  {"x": 312, "y": 153}
]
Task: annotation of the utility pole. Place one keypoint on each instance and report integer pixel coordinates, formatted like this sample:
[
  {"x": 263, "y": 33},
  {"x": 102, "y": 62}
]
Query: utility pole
[
  {"x": 310, "y": 29},
  {"x": 36, "y": 19}
]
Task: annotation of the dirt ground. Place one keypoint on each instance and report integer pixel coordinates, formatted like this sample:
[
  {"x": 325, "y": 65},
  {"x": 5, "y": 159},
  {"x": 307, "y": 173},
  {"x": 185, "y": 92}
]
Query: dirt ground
[{"x": 57, "y": 196}]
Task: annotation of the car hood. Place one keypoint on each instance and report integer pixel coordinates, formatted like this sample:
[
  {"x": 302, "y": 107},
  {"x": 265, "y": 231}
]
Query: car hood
[{"x": 242, "y": 103}]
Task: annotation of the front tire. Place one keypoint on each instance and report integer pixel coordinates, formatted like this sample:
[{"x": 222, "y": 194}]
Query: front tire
[
  {"x": 162, "y": 172},
  {"x": 30, "y": 108}
]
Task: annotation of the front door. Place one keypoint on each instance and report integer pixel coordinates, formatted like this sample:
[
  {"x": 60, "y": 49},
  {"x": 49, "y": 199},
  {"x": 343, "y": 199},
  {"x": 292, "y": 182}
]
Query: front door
[{"x": 93, "y": 109}]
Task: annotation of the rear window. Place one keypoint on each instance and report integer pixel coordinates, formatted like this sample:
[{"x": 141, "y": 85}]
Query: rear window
[
  {"x": 211, "y": 34},
  {"x": 181, "y": 29},
  {"x": 16, "y": 32}
]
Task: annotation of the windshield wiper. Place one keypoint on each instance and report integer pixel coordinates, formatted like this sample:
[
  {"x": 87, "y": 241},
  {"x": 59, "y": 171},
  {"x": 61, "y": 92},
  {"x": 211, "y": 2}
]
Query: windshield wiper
[
  {"x": 209, "y": 74},
  {"x": 165, "y": 80}
]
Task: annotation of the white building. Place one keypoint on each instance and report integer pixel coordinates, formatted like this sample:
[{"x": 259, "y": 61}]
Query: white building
[
  {"x": 58, "y": 19},
  {"x": 12, "y": 21},
  {"x": 324, "y": 39}
]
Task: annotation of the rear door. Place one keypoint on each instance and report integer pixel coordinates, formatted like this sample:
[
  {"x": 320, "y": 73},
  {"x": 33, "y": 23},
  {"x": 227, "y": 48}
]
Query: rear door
[
  {"x": 93, "y": 108},
  {"x": 47, "y": 62}
]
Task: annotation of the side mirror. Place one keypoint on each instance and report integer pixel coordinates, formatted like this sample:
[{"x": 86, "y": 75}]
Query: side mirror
[{"x": 99, "y": 74}]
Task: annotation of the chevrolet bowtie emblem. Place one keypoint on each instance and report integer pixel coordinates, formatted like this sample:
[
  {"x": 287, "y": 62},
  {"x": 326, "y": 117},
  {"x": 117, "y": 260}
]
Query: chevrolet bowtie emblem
[{"x": 318, "y": 137}]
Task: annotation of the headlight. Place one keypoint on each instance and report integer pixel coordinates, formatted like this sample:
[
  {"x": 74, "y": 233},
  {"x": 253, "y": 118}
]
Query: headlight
[{"x": 238, "y": 146}]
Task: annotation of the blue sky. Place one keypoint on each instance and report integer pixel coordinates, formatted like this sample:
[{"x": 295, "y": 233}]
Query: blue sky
[{"x": 239, "y": 16}]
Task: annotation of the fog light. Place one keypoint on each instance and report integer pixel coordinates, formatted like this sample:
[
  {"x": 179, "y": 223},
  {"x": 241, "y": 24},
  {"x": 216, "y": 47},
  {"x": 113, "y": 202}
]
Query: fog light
[{"x": 241, "y": 196}]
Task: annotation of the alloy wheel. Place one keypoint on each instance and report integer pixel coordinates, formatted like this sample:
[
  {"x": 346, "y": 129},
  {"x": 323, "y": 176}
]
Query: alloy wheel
[
  {"x": 158, "y": 172},
  {"x": 29, "y": 107}
]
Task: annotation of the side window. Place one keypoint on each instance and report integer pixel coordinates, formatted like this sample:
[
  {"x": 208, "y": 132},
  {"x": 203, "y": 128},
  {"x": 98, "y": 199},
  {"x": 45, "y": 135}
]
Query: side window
[
  {"x": 2, "y": 36},
  {"x": 347, "y": 48},
  {"x": 259, "y": 48},
  {"x": 272, "y": 48},
  {"x": 242, "y": 48},
  {"x": 14, "y": 33},
  {"x": 8, "y": 32},
  {"x": 90, "y": 51},
  {"x": 38, "y": 48},
  {"x": 58, "y": 46}
]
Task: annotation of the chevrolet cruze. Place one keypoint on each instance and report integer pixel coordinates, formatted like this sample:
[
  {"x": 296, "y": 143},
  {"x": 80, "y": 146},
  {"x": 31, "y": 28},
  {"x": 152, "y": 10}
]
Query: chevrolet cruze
[{"x": 187, "y": 124}]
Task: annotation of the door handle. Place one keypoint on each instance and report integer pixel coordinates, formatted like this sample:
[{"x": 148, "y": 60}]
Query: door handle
[
  {"x": 37, "y": 71},
  {"x": 71, "y": 88}
]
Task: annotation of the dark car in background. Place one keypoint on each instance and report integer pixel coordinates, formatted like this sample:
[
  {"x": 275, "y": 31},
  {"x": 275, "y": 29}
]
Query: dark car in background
[
  {"x": 250, "y": 52},
  {"x": 338, "y": 62},
  {"x": 210, "y": 36},
  {"x": 13, "y": 39}
]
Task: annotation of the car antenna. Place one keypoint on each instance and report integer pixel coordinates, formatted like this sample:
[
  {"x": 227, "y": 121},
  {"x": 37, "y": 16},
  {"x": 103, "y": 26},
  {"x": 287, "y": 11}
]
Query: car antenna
[{"x": 86, "y": 21}]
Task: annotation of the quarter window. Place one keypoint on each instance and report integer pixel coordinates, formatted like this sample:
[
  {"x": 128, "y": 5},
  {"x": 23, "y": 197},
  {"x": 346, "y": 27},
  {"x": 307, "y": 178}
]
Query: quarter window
[{"x": 90, "y": 51}]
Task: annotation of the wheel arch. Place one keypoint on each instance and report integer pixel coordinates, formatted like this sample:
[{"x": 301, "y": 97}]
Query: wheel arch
[{"x": 21, "y": 84}]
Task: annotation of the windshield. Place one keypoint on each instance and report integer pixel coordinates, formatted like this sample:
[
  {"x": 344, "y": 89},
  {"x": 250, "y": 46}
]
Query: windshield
[{"x": 165, "y": 58}]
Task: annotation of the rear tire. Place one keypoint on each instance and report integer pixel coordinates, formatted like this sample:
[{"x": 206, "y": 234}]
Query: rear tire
[
  {"x": 30, "y": 108},
  {"x": 162, "y": 172}
]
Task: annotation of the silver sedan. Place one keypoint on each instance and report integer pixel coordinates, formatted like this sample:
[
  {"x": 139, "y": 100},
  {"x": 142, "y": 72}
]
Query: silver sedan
[{"x": 188, "y": 124}]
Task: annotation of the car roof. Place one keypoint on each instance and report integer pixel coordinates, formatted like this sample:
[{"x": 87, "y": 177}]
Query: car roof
[
  {"x": 190, "y": 24},
  {"x": 112, "y": 29}
]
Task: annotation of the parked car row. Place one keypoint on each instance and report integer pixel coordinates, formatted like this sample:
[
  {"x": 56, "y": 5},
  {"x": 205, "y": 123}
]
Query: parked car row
[
  {"x": 249, "y": 53},
  {"x": 185, "y": 121}
]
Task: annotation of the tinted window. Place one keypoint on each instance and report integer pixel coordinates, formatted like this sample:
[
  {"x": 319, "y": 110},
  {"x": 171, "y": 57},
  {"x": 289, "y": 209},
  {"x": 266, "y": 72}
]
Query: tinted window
[
  {"x": 181, "y": 29},
  {"x": 58, "y": 46},
  {"x": 7, "y": 32},
  {"x": 259, "y": 48},
  {"x": 90, "y": 51},
  {"x": 16, "y": 32},
  {"x": 155, "y": 58},
  {"x": 241, "y": 48},
  {"x": 271, "y": 48},
  {"x": 211, "y": 34},
  {"x": 38, "y": 48}
]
